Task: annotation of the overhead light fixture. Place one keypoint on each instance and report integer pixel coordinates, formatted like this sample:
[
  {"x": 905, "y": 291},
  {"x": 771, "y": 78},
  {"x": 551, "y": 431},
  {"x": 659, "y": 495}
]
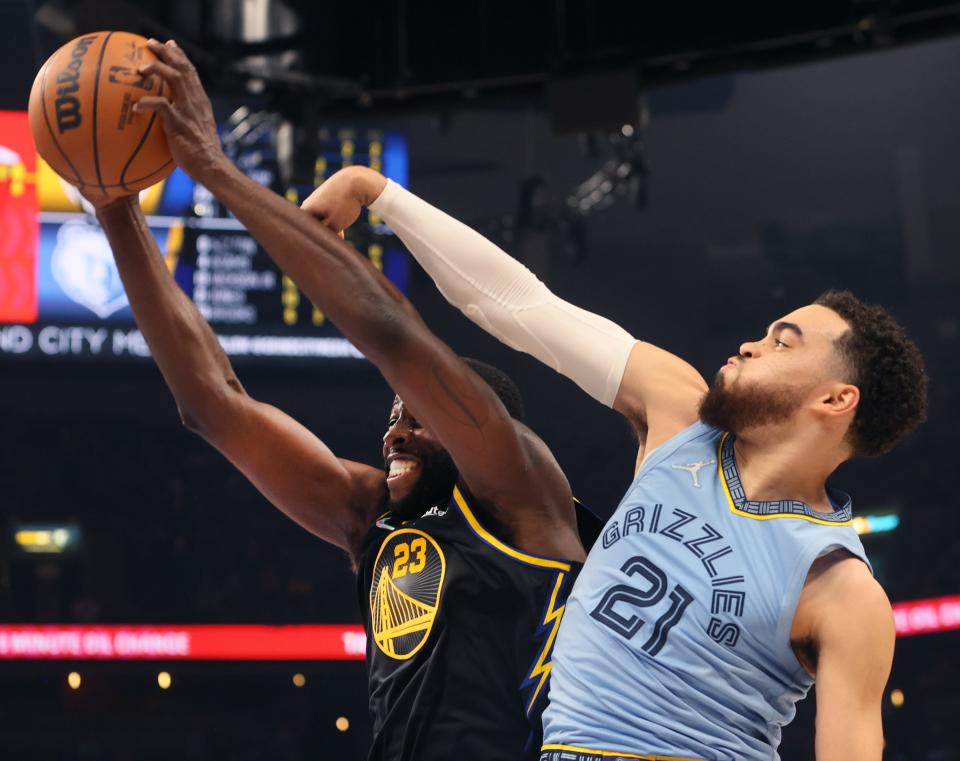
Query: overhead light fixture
[{"x": 623, "y": 175}]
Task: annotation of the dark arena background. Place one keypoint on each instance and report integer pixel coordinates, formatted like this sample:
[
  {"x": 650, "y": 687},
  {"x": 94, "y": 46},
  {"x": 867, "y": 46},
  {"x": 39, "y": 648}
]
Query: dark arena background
[{"x": 685, "y": 169}]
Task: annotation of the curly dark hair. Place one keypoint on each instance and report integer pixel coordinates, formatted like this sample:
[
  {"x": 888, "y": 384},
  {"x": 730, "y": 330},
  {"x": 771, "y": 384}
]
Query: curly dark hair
[{"x": 885, "y": 364}]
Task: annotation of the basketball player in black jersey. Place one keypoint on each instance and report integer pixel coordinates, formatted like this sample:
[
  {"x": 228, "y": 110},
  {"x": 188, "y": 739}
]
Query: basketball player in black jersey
[{"x": 465, "y": 540}]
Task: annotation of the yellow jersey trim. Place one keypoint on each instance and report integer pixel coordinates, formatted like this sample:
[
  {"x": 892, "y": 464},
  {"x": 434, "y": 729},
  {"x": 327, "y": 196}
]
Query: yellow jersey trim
[
  {"x": 616, "y": 753},
  {"x": 506, "y": 549},
  {"x": 744, "y": 513}
]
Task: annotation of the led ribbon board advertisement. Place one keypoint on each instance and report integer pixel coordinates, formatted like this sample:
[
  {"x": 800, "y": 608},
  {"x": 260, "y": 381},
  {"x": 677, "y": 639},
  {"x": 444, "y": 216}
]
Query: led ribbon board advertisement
[
  {"x": 236, "y": 642},
  {"x": 60, "y": 292},
  {"x": 328, "y": 642},
  {"x": 937, "y": 614}
]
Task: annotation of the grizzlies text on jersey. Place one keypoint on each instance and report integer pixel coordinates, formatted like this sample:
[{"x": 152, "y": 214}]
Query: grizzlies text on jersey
[
  {"x": 460, "y": 633},
  {"x": 676, "y": 637}
]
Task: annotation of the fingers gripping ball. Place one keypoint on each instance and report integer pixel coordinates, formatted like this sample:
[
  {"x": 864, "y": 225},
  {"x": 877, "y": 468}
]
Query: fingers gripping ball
[{"x": 83, "y": 120}]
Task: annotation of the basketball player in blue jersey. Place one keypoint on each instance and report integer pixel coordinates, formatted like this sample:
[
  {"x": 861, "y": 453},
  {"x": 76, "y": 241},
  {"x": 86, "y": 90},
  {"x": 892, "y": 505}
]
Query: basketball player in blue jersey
[
  {"x": 464, "y": 540},
  {"x": 729, "y": 577}
]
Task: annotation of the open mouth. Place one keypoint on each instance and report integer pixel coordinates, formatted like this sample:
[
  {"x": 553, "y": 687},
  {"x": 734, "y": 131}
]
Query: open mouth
[{"x": 401, "y": 468}]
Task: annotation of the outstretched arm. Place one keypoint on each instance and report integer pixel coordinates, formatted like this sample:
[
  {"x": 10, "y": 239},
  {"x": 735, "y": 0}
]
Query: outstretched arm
[
  {"x": 656, "y": 390},
  {"x": 499, "y": 461},
  {"x": 335, "y": 499}
]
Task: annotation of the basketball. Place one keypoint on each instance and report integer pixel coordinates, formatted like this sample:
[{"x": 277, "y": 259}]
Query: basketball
[{"x": 83, "y": 120}]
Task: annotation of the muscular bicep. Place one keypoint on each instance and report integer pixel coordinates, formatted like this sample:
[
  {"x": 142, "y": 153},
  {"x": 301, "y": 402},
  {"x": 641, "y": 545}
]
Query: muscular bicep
[
  {"x": 855, "y": 639},
  {"x": 332, "y": 498},
  {"x": 659, "y": 393}
]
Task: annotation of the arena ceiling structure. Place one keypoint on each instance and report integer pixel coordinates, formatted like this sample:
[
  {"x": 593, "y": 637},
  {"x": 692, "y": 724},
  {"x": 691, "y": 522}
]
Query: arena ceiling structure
[{"x": 361, "y": 56}]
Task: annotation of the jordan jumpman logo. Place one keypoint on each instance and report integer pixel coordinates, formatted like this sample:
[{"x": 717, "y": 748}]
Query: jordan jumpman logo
[{"x": 694, "y": 468}]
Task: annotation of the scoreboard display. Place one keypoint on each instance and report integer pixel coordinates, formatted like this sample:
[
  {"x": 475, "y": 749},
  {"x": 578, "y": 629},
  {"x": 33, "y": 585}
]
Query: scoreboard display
[{"x": 60, "y": 292}]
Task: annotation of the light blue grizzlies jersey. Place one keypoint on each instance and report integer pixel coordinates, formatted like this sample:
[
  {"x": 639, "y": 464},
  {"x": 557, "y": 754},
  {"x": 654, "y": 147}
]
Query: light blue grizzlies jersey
[{"x": 676, "y": 637}]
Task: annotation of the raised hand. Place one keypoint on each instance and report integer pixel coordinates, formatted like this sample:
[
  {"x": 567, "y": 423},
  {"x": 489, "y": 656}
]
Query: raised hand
[
  {"x": 186, "y": 113},
  {"x": 337, "y": 202}
]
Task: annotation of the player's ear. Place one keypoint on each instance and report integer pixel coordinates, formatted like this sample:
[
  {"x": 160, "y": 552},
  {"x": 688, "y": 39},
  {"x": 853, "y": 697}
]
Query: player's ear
[{"x": 840, "y": 399}]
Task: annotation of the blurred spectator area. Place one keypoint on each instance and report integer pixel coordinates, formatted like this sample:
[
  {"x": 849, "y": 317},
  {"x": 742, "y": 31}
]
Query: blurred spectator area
[{"x": 171, "y": 533}]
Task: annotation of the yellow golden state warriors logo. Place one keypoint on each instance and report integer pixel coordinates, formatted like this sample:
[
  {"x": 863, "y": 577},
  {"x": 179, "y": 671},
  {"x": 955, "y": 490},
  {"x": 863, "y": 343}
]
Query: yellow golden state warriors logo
[{"x": 405, "y": 593}]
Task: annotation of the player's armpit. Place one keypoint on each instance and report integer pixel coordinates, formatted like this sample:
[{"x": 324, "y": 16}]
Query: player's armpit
[
  {"x": 334, "y": 499},
  {"x": 854, "y": 635},
  {"x": 659, "y": 393}
]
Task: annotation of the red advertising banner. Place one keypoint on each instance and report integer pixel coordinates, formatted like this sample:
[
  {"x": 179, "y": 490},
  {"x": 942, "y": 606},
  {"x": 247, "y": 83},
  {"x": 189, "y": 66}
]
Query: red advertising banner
[
  {"x": 235, "y": 642},
  {"x": 19, "y": 226},
  {"x": 937, "y": 614},
  {"x": 327, "y": 642}
]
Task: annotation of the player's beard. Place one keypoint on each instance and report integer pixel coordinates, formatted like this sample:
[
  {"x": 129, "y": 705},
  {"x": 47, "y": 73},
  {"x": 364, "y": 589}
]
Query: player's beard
[
  {"x": 738, "y": 408},
  {"x": 438, "y": 476}
]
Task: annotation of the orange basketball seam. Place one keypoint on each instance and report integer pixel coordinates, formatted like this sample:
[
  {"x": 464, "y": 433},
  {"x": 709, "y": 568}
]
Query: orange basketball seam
[
  {"x": 96, "y": 93},
  {"x": 146, "y": 133},
  {"x": 143, "y": 177}
]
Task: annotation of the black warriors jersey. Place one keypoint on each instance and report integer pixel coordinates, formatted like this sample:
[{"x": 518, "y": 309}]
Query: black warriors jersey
[{"x": 460, "y": 631}]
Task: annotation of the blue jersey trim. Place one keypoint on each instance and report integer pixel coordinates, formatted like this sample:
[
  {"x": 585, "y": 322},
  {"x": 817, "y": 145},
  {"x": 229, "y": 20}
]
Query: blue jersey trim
[{"x": 763, "y": 510}]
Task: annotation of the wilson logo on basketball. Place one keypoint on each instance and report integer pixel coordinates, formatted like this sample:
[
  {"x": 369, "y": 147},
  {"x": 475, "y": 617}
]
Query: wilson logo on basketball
[
  {"x": 67, "y": 105},
  {"x": 405, "y": 592}
]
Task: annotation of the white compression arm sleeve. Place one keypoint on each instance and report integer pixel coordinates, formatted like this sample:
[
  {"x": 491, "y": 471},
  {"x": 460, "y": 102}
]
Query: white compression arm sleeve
[{"x": 507, "y": 300}]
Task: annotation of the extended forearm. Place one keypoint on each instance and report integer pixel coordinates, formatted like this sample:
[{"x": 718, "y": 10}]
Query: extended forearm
[
  {"x": 505, "y": 298},
  {"x": 365, "y": 306},
  {"x": 183, "y": 345}
]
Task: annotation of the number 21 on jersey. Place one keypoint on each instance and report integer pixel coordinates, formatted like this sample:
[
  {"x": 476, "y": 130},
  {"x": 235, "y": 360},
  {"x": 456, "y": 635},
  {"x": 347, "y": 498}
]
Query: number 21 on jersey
[{"x": 624, "y": 595}]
